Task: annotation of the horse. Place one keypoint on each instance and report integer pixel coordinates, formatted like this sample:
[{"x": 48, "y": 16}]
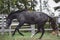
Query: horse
[{"x": 29, "y": 17}]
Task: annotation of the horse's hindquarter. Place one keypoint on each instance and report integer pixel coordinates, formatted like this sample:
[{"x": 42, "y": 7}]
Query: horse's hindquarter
[{"x": 42, "y": 17}]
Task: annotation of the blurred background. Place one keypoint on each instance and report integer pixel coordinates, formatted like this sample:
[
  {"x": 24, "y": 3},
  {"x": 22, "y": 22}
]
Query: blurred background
[{"x": 50, "y": 7}]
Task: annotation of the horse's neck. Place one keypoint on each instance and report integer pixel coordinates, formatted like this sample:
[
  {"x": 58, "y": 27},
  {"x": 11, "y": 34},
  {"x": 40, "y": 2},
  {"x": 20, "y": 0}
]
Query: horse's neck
[{"x": 11, "y": 16}]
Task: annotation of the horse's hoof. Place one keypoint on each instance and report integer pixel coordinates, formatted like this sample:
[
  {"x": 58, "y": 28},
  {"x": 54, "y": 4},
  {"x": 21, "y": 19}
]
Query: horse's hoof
[
  {"x": 23, "y": 35},
  {"x": 32, "y": 35}
]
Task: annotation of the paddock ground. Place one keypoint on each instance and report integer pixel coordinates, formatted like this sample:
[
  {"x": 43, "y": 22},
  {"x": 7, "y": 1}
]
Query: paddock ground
[{"x": 47, "y": 36}]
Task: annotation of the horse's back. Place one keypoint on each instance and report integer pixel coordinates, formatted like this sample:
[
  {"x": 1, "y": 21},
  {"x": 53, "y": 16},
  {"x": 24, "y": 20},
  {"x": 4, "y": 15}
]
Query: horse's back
[{"x": 34, "y": 16}]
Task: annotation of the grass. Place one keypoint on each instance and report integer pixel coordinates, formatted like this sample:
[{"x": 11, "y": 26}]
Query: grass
[{"x": 47, "y": 36}]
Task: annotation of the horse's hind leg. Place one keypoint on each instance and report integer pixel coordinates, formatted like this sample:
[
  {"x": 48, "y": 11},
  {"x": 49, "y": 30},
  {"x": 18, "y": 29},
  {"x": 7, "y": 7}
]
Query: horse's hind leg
[
  {"x": 38, "y": 30},
  {"x": 43, "y": 31},
  {"x": 17, "y": 28},
  {"x": 41, "y": 26}
]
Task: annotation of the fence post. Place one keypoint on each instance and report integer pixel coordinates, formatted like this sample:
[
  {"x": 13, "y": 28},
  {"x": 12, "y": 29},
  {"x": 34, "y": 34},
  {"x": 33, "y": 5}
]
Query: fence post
[
  {"x": 2, "y": 24},
  {"x": 10, "y": 30},
  {"x": 32, "y": 29}
]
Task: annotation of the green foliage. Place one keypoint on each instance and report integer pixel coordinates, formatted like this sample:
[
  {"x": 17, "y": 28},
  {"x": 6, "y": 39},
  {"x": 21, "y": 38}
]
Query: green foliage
[
  {"x": 46, "y": 36},
  {"x": 5, "y": 5}
]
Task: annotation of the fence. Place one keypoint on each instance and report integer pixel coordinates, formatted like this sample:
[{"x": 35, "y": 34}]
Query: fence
[{"x": 3, "y": 25}]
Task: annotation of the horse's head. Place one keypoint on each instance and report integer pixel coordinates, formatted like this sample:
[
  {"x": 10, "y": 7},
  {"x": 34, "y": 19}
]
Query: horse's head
[{"x": 8, "y": 22}]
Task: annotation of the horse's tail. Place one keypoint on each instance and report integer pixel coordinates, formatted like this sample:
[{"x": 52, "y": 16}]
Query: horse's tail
[
  {"x": 55, "y": 28},
  {"x": 52, "y": 22}
]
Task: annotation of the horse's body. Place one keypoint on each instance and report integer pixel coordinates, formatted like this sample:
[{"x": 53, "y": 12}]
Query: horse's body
[{"x": 28, "y": 17}]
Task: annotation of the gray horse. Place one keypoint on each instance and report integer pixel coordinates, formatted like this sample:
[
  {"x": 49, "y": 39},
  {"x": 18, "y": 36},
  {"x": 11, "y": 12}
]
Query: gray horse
[{"x": 30, "y": 17}]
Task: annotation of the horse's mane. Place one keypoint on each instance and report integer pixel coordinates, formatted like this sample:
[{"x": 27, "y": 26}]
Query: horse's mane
[{"x": 18, "y": 11}]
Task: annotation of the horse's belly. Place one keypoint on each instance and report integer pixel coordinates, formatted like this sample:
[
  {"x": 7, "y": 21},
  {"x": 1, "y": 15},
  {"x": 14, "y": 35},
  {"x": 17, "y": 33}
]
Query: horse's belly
[{"x": 31, "y": 22}]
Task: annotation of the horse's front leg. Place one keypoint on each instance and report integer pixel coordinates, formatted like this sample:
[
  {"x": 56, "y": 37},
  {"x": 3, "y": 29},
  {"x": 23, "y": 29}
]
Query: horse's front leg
[{"x": 40, "y": 28}]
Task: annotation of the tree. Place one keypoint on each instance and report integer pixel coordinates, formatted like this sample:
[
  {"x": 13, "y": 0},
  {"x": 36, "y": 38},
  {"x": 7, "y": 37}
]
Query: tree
[
  {"x": 27, "y": 4},
  {"x": 33, "y": 4},
  {"x": 5, "y": 5},
  {"x": 1, "y": 5},
  {"x": 57, "y": 6},
  {"x": 57, "y": 1}
]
